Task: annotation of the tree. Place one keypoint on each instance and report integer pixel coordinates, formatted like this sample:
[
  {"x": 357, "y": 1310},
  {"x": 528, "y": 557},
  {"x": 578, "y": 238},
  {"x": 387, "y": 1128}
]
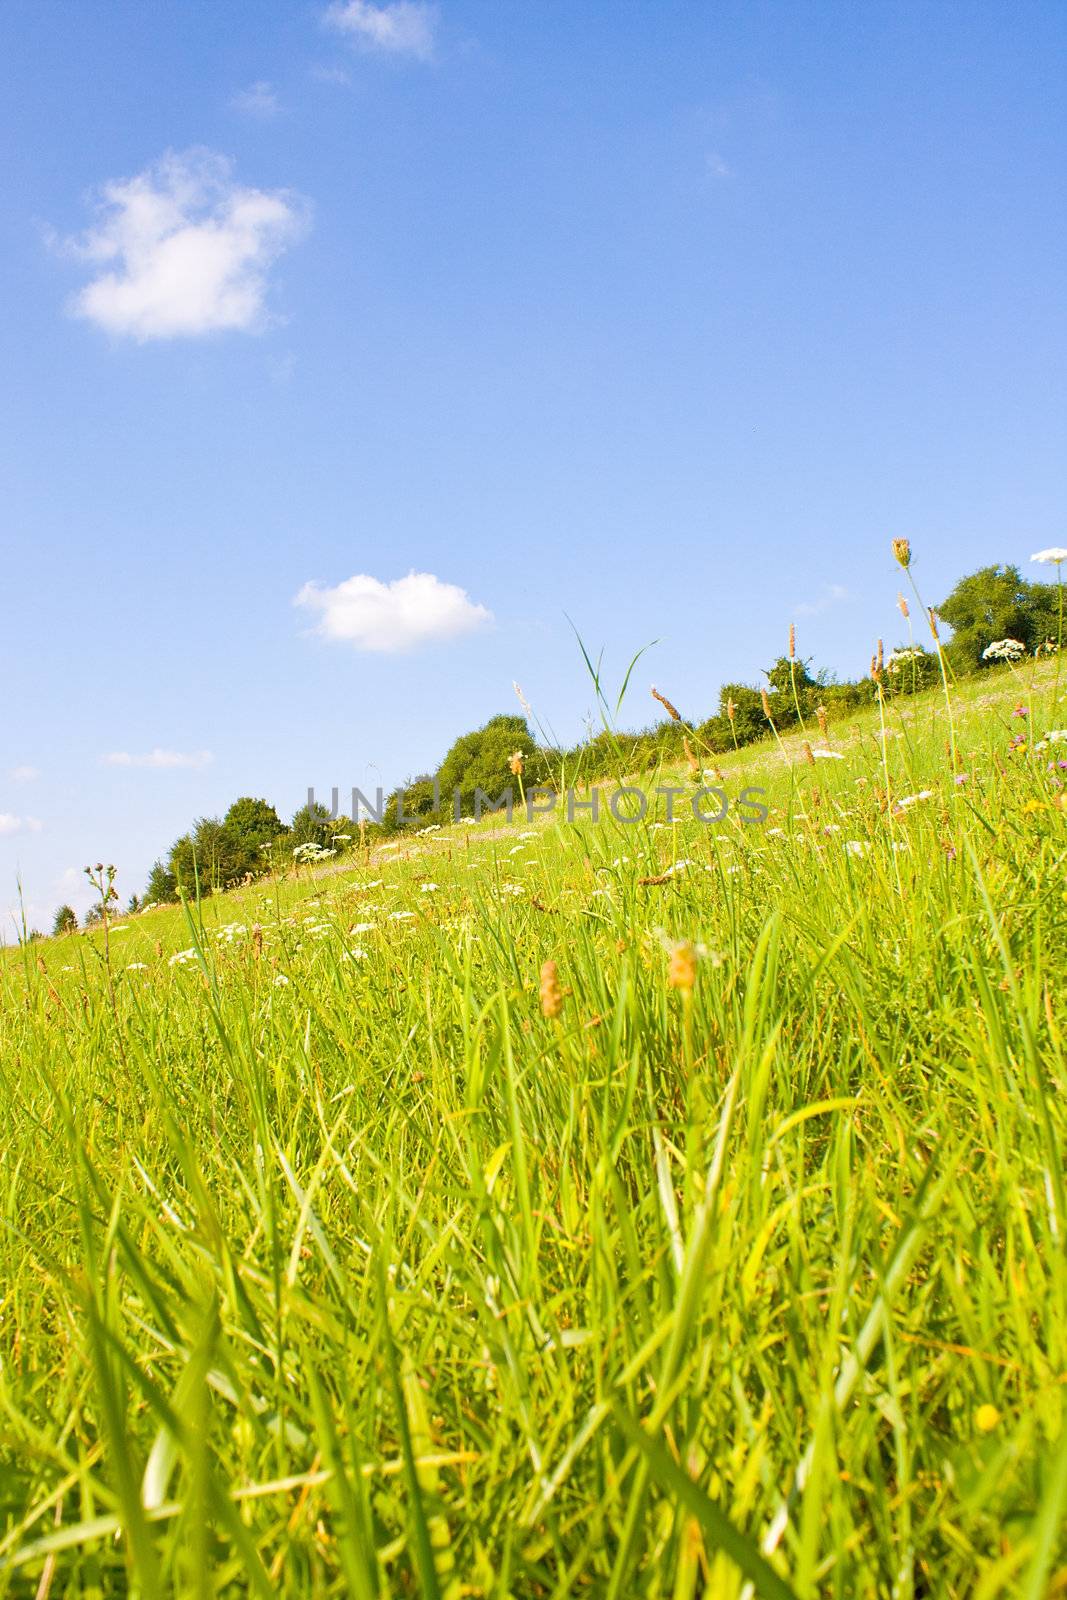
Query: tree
[
  {"x": 997, "y": 603},
  {"x": 212, "y": 857},
  {"x": 162, "y": 885},
  {"x": 254, "y": 821},
  {"x": 310, "y": 825},
  {"x": 482, "y": 760},
  {"x": 65, "y": 920}
]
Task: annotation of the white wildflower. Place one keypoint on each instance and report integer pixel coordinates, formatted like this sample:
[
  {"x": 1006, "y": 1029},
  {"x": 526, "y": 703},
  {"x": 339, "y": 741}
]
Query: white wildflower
[
  {"x": 1003, "y": 650},
  {"x": 1051, "y": 557}
]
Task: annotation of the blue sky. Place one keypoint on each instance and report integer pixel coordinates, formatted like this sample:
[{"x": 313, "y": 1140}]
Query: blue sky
[{"x": 665, "y": 316}]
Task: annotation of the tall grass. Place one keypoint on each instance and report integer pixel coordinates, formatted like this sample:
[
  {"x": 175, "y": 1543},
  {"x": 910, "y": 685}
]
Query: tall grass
[{"x": 332, "y": 1265}]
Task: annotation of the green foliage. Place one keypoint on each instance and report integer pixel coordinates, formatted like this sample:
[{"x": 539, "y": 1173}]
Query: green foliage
[
  {"x": 162, "y": 885},
  {"x": 255, "y": 822},
  {"x": 310, "y": 825},
  {"x": 997, "y": 603},
  {"x": 212, "y": 857},
  {"x": 480, "y": 760},
  {"x": 65, "y": 920}
]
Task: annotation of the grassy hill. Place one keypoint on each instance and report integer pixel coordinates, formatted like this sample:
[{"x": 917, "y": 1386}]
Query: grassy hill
[{"x": 560, "y": 1209}]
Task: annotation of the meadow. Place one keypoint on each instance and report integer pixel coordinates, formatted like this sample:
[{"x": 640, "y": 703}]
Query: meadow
[{"x": 667, "y": 1210}]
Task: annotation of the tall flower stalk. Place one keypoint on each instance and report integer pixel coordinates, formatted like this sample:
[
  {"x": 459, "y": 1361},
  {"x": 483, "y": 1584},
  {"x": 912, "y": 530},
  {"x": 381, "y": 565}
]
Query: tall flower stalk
[{"x": 902, "y": 552}]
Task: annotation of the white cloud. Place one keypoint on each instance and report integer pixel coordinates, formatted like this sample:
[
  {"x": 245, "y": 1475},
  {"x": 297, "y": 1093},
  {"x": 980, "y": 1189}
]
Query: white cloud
[
  {"x": 184, "y": 249},
  {"x": 159, "y": 758},
  {"x": 403, "y": 27},
  {"x": 258, "y": 100},
  {"x": 10, "y": 824},
  {"x": 717, "y": 167},
  {"x": 24, "y": 774},
  {"x": 833, "y": 595},
  {"x": 372, "y": 615}
]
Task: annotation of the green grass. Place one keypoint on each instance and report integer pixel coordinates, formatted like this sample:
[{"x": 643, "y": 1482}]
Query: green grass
[{"x": 334, "y": 1267}]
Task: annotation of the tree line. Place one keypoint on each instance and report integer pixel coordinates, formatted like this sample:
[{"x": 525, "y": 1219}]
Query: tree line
[{"x": 993, "y": 604}]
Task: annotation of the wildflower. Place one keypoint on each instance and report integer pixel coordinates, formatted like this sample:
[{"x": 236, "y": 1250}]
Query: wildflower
[
  {"x": 808, "y": 752},
  {"x": 902, "y": 552},
  {"x": 827, "y": 755},
  {"x": 961, "y": 777},
  {"x": 820, "y": 712},
  {"x": 427, "y": 888},
  {"x": 1051, "y": 557},
  {"x": 731, "y": 709},
  {"x": 136, "y": 966},
  {"x": 682, "y": 971},
  {"x": 691, "y": 760},
  {"x": 281, "y": 981},
  {"x": 899, "y": 658},
  {"x": 1056, "y": 735},
  {"x": 902, "y": 606},
  {"x": 857, "y": 847},
  {"x": 1021, "y": 711},
  {"x": 913, "y": 799},
  {"x": 1018, "y": 742},
  {"x": 515, "y": 761},
  {"x": 362, "y": 927},
  {"x": 400, "y": 916},
  {"x": 181, "y": 957},
  {"x": 551, "y": 994},
  {"x": 987, "y": 1416},
  {"x": 1003, "y": 650},
  {"x": 674, "y": 714}
]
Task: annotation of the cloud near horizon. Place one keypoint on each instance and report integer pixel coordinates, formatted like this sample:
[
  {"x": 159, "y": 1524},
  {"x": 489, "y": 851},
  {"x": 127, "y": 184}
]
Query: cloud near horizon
[
  {"x": 11, "y": 825},
  {"x": 392, "y": 617},
  {"x": 159, "y": 758},
  {"x": 184, "y": 250},
  {"x": 403, "y": 27}
]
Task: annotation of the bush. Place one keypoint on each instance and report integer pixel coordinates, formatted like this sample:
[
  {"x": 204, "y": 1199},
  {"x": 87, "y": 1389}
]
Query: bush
[{"x": 65, "y": 920}]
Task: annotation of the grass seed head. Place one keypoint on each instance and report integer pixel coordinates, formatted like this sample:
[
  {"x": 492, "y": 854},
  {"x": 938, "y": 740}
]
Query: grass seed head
[
  {"x": 765, "y": 701},
  {"x": 902, "y": 552},
  {"x": 792, "y": 641},
  {"x": 902, "y": 606},
  {"x": 551, "y": 994},
  {"x": 682, "y": 970},
  {"x": 671, "y": 711}
]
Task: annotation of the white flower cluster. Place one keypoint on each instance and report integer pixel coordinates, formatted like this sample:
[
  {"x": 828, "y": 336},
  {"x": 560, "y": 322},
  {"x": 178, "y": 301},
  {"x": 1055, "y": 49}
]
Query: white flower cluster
[{"x": 1003, "y": 650}]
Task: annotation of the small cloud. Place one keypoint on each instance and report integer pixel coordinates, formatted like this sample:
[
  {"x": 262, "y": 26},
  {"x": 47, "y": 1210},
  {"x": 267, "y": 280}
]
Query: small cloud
[
  {"x": 184, "y": 250},
  {"x": 258, "y": 100},
  {"x": 159, "y": 758},
  {"x": 403, "y": 27},
  {"x": 372, "y": 615},
  {"x": 717, "y": 166},
  {"x": 24, "y": 774},
  {"x": 10, "y": 824},
  {"x": 336, "y": 75},
  {"x": 833, "y": 595}
]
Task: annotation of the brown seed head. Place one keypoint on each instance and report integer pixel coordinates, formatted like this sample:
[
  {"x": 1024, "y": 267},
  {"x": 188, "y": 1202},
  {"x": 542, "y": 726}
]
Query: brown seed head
[
  {"x": 665, "y": 703},
  {"x": 257, "y": 940},
  {"x": 902, "y": 551},
  {"x": 694, "y": 765},
  {"x": 765, "y": 701},
  {"x": 820, "y": 712},
  {"x": 551, "y": 994},
  {"x": 933, "y": 623},
  {"x": 808, "y": 754},
  {"x": 902, "y": 605},
  {"x": 515, "y": 761},
  {"x": 792, "y": 641},
  {"x": 881, "y": 656},
  {"x": 682, "y": 971},
  {"x": 731, "y": 709}
]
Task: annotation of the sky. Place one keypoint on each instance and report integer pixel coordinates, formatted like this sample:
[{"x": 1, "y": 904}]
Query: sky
[{"x": 356, "y": 355}]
